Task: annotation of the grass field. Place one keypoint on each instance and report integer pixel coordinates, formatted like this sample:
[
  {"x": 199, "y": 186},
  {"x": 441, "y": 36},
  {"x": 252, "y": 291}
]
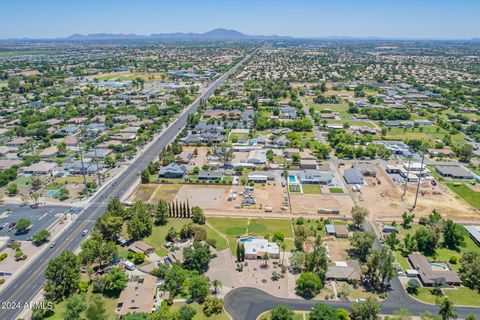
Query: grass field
[
  {"x": 109, "y": 302},
  {"x": 335, "y": 190},
  {"x": 262, "y": 227},
  {"x": 199, "y": 309},
  {"x": 459, "y": 296},
  {"x": 157, "y": 238},
  {"x": 230, "y": 227},
  {"x": 467, "y": 194},
  {"x": 166, "y": 192},
  {"x": 311, "y": 189},
  {"x": 64, "y": 180}
]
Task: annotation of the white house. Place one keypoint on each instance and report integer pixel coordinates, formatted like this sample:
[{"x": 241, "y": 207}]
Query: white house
[{"x": 256, "y": 248}]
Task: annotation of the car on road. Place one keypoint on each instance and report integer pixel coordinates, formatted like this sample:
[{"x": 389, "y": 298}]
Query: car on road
[
  {"x": 84, "y": 232},
  {"x": 53, "y": 244},
  {"x": 34, "y": 206},
  {"x": 360, "y": 300}
]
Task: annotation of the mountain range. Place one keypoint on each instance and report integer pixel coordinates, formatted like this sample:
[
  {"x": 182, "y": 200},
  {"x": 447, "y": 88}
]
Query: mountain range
[{"x": 215, "y": 34}]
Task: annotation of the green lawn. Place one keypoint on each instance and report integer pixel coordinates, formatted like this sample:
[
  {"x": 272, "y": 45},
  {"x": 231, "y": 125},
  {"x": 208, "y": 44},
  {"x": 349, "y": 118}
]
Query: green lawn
[
  {"x": 110, "y": 303},
  {"x": 402, "y": 261},
  {"x": 466, "y": 193},
  {"x": 230, "y": 227},
  {"x": 24, "y": 182},
  {"x": 311, "y": 189},
  {"x": 199, "y": 315},
  {"x": 335, "y": 190},
  {"x": 459, "y": 296},
  {"x": 157, "y": 238},
  {"x": 262, "y": 227}
]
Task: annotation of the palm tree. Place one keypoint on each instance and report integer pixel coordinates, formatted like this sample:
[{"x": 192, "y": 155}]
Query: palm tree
[
  {"x": 217, "y": 284},
  {"x": 284, "y": 247},
  {"x": 265, "y": 258}
]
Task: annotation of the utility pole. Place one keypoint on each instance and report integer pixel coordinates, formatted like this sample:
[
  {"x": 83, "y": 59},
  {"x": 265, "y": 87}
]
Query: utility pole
[
  {"x": 406, "y": 180},
  {"x": 96, "y": 162},
  {"x": 419, "y": 179},
  {"x": 81, "y": 160}
]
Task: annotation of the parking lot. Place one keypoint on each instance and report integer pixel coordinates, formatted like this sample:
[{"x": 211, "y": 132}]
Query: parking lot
[{"x": 41, "y": 218}]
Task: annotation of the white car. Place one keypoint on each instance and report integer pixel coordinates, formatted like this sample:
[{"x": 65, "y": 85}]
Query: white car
[
  {"x": 84, "y": 232},
  {"x": 360, "y": 300}
]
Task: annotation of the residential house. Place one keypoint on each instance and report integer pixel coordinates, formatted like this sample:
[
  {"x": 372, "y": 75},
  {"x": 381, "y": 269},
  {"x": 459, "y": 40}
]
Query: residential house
[
  {"x": 256, "y": 248},
  {"x": 344, "y": 270},
  {"x": 172, "y": 171},
  {"x": 429, "y": 275},
  {"x": 353, "y": 176},
  {"x": 138, "y": 296}
]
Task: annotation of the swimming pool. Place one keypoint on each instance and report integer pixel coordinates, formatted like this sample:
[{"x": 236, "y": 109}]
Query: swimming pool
[
  {"x": 292, "y": 179},
  {"x": 439, "y": 266},
  {"x": 246, "y": 239}
]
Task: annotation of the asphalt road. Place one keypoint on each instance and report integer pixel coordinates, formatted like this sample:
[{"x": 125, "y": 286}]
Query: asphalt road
[
  {"x": 30, "y": 281},
  {"x": 41, "y": 218},
  {"x": 247, "y": 303}
]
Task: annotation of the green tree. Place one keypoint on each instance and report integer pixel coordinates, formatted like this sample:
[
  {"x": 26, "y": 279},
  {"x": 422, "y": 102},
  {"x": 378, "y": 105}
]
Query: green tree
[
  {"x": 197, "y": 288},
  {"x": 116, "y": 279},
  {"x": 323, "y": 311},
  {"x": 62, "y": 276},
  {"x": 452, "y": 234},
  {"x": 197, "y": 257},
  {"x": 297, "y": 261},
  {"x": 145, "y": 176},
  {"x": 216, "y": 284},
  {"x": 186, "y": 313},
  {"x": 358, "y": 215},
  {"x": 22, "y": 225},
  {"x": 367, "y": 310},
  {"x": 380, "y": 267},
  {"x": 392, "y": 240},
  {"x": 308, "y": 285},
  {"x": 74, "y": 306},
  {"x": 40, "y": 236},
  {"x": 140, "y": 225},
  {"x": 407, "y": 220},
  {"x": 281, "y": 312},
  {"x": 362, "y": 242},
  {"x": 161, "y": 213},
  {"x": 109, "y": 225},
  {"x": 426, "y": 241},
  {"x": 212, "y": 305},
  {"x": 446, "y": 309},
  {"x": 12, "y": 189},
  {"x": 470, "y": 270},
  {"x": 96, "y": 308},
  {"x": 174, "y": 279},
  {"x": 197, "y": 215}
]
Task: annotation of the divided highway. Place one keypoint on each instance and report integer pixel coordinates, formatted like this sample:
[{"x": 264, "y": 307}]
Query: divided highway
[{"x": 29, "y": 282}]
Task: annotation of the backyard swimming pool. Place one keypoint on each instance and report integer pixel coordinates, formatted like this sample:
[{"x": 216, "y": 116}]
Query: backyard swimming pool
[
  {"x": 292, "y": 179},
  {"x": 246, "y": 239},
  {"x": 439, "y": 266}
]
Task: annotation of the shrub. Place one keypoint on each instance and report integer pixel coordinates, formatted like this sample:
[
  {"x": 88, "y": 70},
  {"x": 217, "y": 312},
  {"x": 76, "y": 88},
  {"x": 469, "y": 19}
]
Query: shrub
[
  {"x": 211, "y": 242},
  {"x": 453, "y": 260},
  {"x": 3, "y": 256}
]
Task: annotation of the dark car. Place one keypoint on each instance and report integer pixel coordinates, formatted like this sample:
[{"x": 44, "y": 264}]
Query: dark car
[{"x": 434, "y": 183}]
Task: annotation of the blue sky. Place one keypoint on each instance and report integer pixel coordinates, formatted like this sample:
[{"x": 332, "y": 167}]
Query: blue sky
[{"x": 358, "y": 18}]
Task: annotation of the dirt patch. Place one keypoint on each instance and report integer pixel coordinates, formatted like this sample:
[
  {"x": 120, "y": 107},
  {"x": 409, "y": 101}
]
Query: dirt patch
[
  {"x": 310, "y": 203},
  {"x": 337, "y": 248}
]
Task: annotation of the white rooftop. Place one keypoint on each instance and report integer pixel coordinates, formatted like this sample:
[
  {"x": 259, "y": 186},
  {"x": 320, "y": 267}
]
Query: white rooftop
[{"x": 261, "y": 245}]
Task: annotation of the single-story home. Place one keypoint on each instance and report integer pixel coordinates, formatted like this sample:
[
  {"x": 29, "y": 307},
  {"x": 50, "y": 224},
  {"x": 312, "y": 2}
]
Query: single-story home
[
  {"x": 367, "y": 169},
  {"x": 315, "y": 177},
  {"x": 344, "y": 270},
  {"x": 255, "y": 248},
  {"x": 257, "y": 157},
  {"x": 353, "y": 176},
  {"x": 341, "y": 231},
  {"x": 308, "y": 164},
  {"x": 260, "y": 176},
  {"x": 140, "y": 246},
  {"x": 41, "y": 167},
  {"x": 429, "y": 276},
  {"x": 138, "y": 296},
  {"x": 210, "y": 175},
  {"x": 454, "y": 172},
  {"x": 172, "y": 171}
]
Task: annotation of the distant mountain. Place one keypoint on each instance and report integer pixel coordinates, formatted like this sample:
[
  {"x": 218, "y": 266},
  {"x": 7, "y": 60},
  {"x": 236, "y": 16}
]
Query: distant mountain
[{"x": 215, "y": 34}]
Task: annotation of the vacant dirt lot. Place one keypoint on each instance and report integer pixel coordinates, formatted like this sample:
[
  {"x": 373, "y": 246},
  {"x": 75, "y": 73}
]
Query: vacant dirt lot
[{"x": 310, "y": 203}]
